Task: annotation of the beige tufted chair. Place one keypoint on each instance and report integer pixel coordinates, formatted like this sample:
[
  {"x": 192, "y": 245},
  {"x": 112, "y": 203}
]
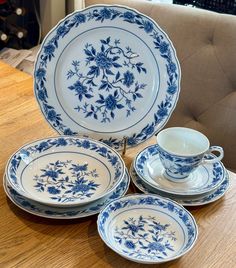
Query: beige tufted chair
[{"x": 206, "y": 47}]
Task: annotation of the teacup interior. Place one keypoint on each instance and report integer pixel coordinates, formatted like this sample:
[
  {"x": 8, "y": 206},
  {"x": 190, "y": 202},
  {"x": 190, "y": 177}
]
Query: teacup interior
[{"x": 183, "y": 141}]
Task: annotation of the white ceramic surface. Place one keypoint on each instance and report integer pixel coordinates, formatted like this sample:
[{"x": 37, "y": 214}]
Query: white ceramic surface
[
  {"x": 65, "y": 170},
  {"x": 204, "y": 179},
  {"x": 147, "y": 228},
  {"x": 182, "y": 150},
  {"x": 107, "y": 72},
  {"x": 45, "y": 211},
  {"x": 199, "y": 200}
]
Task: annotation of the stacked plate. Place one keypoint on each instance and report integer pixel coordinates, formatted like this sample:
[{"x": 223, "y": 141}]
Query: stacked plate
[
  {"x": 65, "y": 177},
  {"x": 206, "y": 184}
]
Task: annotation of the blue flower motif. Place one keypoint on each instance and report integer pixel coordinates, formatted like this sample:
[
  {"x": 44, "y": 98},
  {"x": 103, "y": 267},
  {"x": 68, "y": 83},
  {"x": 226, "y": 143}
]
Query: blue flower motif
[
  {"x": 148, "y": 26},
  {"x": 61, "y": 142},
  {"x": 49, "y": 49},
  {"x": 85, "y": 144},
  {"x": 79, "y": 18},
  {"x": 149, "y": 130},
  {"x": 80, "y": 187},
  {"x": 62, "y": 30},
  {"x": 164, "y": 47},
  {"x": 162, "y": 112},
  {"x": 166, "y": 156},
  {"x": 129, "y": 16},
  {"x": 52, "y": 115},
  {"x": 158, "y": 226},
  {"x": 102, "y": 150},
  {"x": 105, "y": 215},
  {"x": 68, "y": 131},
  {"x": 132, "y": 227},
  {"x": 131, "y": 141},
  {"x": 184, "y": 169},
  {"x": 130, "y": 244},
  {"x": 51, "y": 174},
  {"x": 78, "y": 168},
  {"x": 103, "y": 61},
  {"x": 40, "y": 73},
  {"x": 71, "y": 186},
  {"x": 41, "y": 95},
  {"x": 14, "y": 162},
  {"x": 105, "y": 13},
  {"x": 83, "y": 186},
  {"x": 110, "y": 102},
  {"x": 170, "y": 206},
  {"x": 80, "y": 90},
  {"x": 53, "y": 190},
  {"x": 156, "y": 246},
  {"x": 172, "y": 89},
  {"x": 172, "y": 67},
  {"x": 128, "y": 78},
  {"x": 43, "y": 145},
  {"x": 113, "y": 160}
]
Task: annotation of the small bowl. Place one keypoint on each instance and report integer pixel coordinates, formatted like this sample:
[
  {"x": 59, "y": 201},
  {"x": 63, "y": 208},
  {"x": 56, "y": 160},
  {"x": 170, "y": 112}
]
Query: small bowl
[
  {"x": 65, "y": 171},
  {"x": 147, "y": 229}
]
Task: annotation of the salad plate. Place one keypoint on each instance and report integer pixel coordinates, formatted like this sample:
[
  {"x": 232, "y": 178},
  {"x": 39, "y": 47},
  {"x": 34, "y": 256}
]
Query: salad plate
[
  {"x": 147, "y": 229},
  {"x": 184, "y": 201},
  {"x": 107, "y": 72},
  {"x": 45, "y": 211},
  {"x": 65, "y": 170},
  {"x": 204, "y": 179}
]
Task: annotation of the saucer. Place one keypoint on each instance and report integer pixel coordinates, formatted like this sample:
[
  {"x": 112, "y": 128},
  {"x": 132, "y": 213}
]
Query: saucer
[
  {"x": 204, "y": 179},
  {"x": 147, "y": 229},
  {"x": 65, "y": 170},
  {"x": 184, "y": 201},
  {"x": 41, "y": 210}
]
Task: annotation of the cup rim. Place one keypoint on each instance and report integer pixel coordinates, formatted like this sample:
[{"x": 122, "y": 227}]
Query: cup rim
[{"x": 185, "y": 129}]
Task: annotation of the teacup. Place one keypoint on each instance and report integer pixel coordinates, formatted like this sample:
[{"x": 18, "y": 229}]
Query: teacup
[{"x": 182, "y": 150}]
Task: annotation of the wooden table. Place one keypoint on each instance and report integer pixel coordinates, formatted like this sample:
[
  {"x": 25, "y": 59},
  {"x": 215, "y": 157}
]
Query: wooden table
[{"x": 31, "y": 241}]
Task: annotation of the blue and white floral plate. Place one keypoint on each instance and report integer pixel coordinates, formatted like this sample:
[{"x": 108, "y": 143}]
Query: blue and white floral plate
[
  {"x": 147, "y": 228},
  {"x": 65, "y": 170},
  {"x": 107, "y": 72},
  {"x": 184, "y": 201},
  {"x": 206, "y": 178},
  {"x": 41, "y": 210}
]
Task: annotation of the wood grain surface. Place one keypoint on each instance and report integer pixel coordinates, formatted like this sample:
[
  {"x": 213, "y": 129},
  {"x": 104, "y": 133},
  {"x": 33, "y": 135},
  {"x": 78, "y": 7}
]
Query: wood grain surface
[{"x": 31, "y": 241}]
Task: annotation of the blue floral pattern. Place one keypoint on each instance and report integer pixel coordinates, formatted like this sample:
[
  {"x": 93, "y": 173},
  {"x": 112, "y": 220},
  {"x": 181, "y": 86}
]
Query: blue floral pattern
[
  {"x": 106, "y": 64},
  {"x": 201, "y": 200},
  {"x": 216, "y": 170},
  {"x": 103, "y": 64},
  {"x": 62, "y": 187},
  {"x": 54, "y": 171},
  {"x": 68, "y": 213},
  {"x": 179, "y": 166},
  {"x": 146, "y": 237}
]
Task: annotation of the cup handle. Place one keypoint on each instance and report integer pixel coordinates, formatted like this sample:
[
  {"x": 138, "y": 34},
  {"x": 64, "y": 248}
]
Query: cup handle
[{"x": 217, "y": 158}]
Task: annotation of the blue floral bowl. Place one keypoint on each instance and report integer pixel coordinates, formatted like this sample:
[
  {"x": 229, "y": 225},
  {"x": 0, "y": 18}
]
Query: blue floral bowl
[
  {"x": 65, "y": 171},
  {"x": 147, "y": 228}
]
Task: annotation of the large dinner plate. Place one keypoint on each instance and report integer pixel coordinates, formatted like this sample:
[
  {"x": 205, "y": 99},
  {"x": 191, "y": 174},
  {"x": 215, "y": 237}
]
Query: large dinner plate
[{"x": 107, "y": 72}]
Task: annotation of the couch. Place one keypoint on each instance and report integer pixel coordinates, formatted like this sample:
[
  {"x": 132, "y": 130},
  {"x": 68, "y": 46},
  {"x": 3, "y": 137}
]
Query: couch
[{"x": 206, "y": 48}]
